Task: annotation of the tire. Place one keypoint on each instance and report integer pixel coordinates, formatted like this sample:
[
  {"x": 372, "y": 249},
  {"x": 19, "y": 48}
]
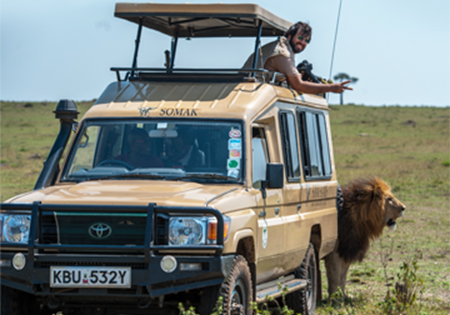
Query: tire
[
  {"x": 236, "y": 291},
  {"x": 16, "y": 302},
  {"x": 339, "y": 200},
  {"x": 304, "y": 301}
]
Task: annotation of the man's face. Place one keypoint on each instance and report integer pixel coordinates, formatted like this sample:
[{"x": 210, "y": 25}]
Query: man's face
[
  {"x": 139, "y": 143},
  {"x": 299, "y": 41}
]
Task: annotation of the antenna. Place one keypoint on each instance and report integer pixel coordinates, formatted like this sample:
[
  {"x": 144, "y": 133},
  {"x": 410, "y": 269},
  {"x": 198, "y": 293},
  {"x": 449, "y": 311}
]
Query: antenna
[{"x": 335, "y": 38}]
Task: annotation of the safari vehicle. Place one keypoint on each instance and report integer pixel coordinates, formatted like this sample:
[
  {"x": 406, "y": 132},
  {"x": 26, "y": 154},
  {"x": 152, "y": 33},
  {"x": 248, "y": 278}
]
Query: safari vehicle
[{"x": 178, "y": 185}]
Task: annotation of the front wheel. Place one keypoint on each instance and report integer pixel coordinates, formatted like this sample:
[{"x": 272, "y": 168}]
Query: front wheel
[
  {"x": 304, "y": 301},
  {"x": 236, "y": 291}
]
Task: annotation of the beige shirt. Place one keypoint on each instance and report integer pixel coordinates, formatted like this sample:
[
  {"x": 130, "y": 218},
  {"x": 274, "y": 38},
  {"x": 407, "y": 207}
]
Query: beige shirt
[{"x": 276, "y": 56}]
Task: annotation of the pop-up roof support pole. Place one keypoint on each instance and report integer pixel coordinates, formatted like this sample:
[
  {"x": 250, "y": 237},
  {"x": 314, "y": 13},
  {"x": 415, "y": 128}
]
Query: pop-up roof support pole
[
  {"x": 257, "y": 45},
  {"x": 173, "y": 50},
  {"x": 137, "y": 41}
]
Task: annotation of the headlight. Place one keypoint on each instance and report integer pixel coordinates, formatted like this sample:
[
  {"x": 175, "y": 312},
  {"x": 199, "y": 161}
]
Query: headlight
[
  {"x": 195, "y": 230},
  {"x": 186, "y": 231},
  {"x": 15, "y": 228}
]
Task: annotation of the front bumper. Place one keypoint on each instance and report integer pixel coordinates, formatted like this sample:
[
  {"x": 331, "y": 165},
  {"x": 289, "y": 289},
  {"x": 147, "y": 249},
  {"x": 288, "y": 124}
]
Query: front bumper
[{"x": 148, "y": 280}]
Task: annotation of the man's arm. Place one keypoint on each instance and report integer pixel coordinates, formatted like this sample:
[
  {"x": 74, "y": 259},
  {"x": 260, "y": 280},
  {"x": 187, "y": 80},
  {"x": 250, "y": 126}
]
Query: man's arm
[
  {"x": 286, "y": 66},
  {"x": 314, "y": 88}
]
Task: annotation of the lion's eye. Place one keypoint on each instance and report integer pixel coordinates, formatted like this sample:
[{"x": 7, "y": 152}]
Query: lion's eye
[{"x": 390, "y": 199}]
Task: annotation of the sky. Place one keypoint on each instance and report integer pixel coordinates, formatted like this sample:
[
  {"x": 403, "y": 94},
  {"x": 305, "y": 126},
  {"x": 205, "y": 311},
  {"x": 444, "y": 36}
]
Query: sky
[{"x": 398, "y": 49}]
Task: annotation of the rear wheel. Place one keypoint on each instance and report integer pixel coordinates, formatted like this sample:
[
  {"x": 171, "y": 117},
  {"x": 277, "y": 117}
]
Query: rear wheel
[
  {"x": 304, "y": 301},
  {"x": 339, "y": 200}
]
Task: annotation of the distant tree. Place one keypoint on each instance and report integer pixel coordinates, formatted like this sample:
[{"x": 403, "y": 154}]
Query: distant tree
[{"x": 342, "y": 76}]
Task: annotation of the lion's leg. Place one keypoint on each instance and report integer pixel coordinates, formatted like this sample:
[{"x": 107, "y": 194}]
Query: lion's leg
[
  {"x": 332, "y": 266},
  {"x": 345, "y": 266}
]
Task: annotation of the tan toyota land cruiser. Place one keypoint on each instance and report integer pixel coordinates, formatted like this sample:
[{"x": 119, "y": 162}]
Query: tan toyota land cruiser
[{"x": 178, "y": 185}]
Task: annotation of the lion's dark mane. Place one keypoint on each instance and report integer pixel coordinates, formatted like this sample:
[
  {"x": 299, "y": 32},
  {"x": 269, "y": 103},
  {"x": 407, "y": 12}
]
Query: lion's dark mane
[{"x": 362, "y": 217}]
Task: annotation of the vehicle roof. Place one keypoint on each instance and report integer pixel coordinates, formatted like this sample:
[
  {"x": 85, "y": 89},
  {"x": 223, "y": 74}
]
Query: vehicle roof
[
  {"x": 203, "y": 20},
  {"x": 208, "y": 100}
]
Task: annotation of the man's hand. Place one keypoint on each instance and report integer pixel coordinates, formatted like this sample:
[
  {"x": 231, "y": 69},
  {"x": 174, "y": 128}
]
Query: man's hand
[
  {"x": 340, "y": 87},
  {"x": 314, "y": 88}
]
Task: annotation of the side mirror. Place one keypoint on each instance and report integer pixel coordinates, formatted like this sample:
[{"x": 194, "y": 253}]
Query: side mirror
[{"x": 275, "y": 175}]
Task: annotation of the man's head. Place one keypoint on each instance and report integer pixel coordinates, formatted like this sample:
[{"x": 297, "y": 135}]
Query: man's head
[
  {"x": 185, "y": 139},
  {"x": 299, "y": 35},
  {"x": 139, "y": 140}
]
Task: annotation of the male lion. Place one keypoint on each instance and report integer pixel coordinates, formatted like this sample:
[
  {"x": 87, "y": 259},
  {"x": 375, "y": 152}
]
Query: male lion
[{"x": 369, "y": 206}]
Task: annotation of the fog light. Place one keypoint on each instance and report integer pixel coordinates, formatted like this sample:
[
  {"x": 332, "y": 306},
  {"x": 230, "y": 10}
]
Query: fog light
[
  {"x": 19, "y": 261},
  {"x": 190, "y": 266},
  {"x": 168, "y": 264}
]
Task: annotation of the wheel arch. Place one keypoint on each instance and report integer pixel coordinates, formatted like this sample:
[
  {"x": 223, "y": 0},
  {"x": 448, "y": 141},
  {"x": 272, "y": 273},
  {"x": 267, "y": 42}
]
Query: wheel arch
[
  {"x": 245, "y": 246},
  {"x": 316, "y": 237}
]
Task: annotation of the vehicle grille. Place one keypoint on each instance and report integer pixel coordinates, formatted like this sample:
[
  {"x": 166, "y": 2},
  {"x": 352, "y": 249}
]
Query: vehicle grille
[
  {"x": 161, "y": 230},
  {"x": 48, "y": 264},
  {"x": 78, "y": 228}
]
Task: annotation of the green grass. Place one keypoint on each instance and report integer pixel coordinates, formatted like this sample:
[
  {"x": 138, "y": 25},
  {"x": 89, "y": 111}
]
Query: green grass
[
  {"x": 27, "y": 135},
  {"x": 409, "y": 147}
]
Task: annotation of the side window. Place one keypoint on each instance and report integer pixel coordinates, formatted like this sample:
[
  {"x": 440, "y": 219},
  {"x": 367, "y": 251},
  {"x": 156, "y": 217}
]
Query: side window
[
  {"x": 324, "y": 144},
  {"x": 290, "y": 148},
  {"x": 314, "y": 141},
  {"x": 86, "y": 148},
  {"x": 260, "y": 156}
]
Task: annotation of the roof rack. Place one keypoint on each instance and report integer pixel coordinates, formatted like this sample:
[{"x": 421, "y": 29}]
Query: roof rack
[
  {"x": 192, "y": 75},
  {"x": 199, "y": 20}
]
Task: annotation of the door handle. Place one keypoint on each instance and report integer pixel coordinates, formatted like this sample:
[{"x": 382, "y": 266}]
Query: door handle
[
  {"x": 277, "y": 211},
  {"x": 262, "y": 214}
]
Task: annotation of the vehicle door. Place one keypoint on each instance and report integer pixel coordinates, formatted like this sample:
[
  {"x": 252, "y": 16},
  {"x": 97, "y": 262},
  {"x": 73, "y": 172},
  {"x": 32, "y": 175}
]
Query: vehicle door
[
  {"x": 296, "y": 235},
  {"x": 270, "y": 229},
  {"x": 320, "y": 183}
]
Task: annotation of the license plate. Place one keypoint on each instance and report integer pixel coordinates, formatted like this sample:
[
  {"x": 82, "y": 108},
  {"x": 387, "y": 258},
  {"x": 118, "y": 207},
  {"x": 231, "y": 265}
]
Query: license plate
[{"x": 90, "y": 277}]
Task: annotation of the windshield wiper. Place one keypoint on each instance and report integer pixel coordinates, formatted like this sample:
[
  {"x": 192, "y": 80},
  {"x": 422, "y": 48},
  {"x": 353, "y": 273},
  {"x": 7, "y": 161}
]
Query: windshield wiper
[
  {"x": 206, "y": 176},
  {"x": 132, "y": 175}
]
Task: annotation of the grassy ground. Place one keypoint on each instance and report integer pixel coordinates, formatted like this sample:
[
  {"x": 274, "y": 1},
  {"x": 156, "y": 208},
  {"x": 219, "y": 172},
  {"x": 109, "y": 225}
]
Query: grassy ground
[{"x": 409, "y": 147}]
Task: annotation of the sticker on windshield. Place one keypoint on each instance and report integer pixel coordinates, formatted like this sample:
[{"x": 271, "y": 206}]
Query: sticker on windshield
[
  {"x": 233, "y": 173},
  {"x": 235, "y": 153},
  {"x": 234, "y": 133},
  {"x": 233, "y": 164},
  {"x": 234, "y": 144}
]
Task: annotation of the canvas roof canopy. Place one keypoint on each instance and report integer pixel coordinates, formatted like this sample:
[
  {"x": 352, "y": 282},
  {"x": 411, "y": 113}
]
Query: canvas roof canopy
[{"x": 204, "y": 20}]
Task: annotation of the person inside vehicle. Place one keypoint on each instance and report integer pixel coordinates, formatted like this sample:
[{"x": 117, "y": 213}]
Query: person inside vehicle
[
  {"x": 139, "y": 155},
  {"x": 184, "y": 151},
  {"x": 279, "y": 56}
]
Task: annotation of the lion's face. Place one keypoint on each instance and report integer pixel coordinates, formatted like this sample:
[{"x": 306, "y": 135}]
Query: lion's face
[{"x": 393, "y": 210}]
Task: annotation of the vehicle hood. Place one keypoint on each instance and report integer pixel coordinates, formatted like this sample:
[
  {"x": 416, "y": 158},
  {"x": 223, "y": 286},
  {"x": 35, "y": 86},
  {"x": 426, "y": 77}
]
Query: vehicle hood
[{"x": 137, "y": 192}]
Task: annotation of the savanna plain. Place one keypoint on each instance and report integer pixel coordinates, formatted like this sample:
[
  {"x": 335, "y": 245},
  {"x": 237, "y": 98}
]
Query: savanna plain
[{"x": 408, "y": 147}]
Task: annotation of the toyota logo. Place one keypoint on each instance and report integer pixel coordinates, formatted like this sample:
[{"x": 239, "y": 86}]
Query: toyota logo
[{"x": 100, "y": 230}]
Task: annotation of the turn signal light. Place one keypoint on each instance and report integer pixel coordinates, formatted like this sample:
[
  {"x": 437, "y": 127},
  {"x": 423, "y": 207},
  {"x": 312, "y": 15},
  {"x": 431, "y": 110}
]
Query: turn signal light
[{"x": 212, "y": 229}]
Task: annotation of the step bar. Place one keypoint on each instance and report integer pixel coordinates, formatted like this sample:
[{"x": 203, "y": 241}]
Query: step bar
[{"x": 275, "y": 288}]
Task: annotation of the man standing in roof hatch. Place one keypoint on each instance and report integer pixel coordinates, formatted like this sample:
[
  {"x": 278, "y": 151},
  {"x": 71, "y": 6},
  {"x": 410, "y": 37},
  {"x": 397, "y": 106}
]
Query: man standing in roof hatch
[{"x": 279, "y": 56}]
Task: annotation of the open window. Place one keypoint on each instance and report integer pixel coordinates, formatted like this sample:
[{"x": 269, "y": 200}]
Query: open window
[{"x": 260, "y": 156}]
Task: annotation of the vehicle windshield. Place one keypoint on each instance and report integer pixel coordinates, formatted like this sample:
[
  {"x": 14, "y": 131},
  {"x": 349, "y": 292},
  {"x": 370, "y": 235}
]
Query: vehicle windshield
[{"x": 203, "y": 151}]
